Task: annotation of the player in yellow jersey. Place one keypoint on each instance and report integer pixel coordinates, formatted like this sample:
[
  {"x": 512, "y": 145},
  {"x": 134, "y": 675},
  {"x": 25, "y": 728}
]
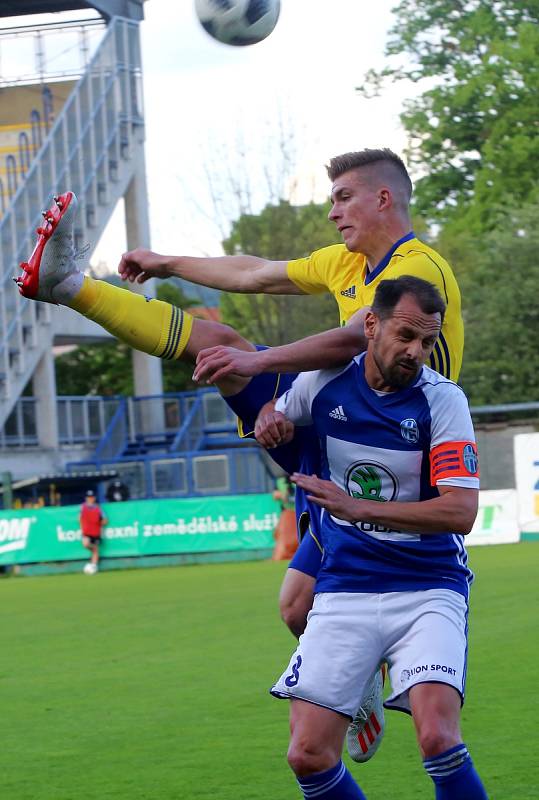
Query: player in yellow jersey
[{"x": 370, "y": 206}]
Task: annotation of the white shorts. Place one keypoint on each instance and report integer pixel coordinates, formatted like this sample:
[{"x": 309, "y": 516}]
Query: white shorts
[{"x": 421, "y": 635}]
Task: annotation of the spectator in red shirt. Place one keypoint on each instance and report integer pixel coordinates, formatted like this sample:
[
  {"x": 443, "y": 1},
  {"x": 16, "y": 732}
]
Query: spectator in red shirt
[{"x": 92, "y": 521}]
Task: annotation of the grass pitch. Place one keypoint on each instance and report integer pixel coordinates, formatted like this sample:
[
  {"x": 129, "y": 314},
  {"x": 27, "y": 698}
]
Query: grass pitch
[{"x": 151, "y": 684}]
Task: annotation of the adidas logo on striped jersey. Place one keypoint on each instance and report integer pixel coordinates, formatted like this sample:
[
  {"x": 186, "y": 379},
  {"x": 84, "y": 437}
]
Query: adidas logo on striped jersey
[
  {"x": 351, "y": 292},
  {"x": 338, "y": 413}
]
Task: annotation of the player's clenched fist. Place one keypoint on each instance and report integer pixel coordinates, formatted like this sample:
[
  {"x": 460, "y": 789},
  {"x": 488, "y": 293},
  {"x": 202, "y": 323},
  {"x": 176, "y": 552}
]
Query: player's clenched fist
[{"x": 272, "y": 428}]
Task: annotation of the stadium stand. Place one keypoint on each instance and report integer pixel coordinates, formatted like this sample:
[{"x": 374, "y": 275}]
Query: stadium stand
[
  {"x": 92, "y": 140},
  {"x": 194, "y": 451}
]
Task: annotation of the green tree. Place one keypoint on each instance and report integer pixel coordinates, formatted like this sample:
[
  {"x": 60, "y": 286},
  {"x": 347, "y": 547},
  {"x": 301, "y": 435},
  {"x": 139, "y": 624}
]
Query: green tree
[
  {"x": 98, "y": 369},
  {"x": 280, "y": 232},
  {"x": 474, "y": 128},
  {"x": 107, "y": 368},
  {"x": 473, "y": 139},
  {"x": 498, "y": 273}
]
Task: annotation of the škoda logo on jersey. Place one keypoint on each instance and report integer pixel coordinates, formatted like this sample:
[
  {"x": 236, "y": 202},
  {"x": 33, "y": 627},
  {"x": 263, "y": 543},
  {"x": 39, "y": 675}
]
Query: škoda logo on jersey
[{"x": 367, "y": 480}]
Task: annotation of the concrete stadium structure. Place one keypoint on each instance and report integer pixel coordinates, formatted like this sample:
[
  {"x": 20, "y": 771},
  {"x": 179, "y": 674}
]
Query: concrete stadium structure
[{"x": 87, "y": 134}]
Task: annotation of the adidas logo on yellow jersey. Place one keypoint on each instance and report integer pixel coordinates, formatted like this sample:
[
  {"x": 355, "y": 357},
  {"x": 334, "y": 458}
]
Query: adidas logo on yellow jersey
[{"x": 351, "y": 292}]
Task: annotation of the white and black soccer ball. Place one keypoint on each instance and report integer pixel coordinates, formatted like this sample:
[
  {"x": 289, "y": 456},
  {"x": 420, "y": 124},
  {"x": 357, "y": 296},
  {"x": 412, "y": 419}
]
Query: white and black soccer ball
[{"x": 238, "y": 22}]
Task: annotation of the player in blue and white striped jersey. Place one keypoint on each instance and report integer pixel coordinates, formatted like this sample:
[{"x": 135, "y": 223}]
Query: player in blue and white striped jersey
[
  {"x": 399, "y": 489},
  {"x": 377, "y": 446}
]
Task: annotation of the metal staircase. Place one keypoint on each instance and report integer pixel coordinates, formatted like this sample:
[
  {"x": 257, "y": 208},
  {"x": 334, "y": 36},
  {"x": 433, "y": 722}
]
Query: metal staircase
[
  {"x": 196, "y": 451},
  {"x": 192, "y": 422},
  {"x": 94, "y": 148}
]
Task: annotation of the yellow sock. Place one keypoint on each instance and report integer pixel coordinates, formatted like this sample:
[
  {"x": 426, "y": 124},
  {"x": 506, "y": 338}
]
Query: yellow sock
[{"x": 150, "y": 325}]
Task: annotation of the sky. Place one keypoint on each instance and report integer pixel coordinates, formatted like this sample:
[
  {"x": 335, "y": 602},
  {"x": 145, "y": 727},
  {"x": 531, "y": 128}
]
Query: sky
[
  {"x": 211, "y": 109},
  {"x": 202, "y": 97}
]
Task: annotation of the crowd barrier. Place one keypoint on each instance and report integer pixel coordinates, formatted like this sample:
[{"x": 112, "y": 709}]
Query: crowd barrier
[
  {"x": 527, "y": 483},
  {"x": 497, "y": 519},
  {"x": 235, "y": 523},
  {"x": 142, "y": 528}
]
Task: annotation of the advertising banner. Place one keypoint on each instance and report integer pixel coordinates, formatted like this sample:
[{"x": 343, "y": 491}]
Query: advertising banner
[
  {"x": 142, "y": 528},
  {"x": 527, "y": 480},
  {"x": 219, "y": 524},
  {"x": 497, "y": 519}
]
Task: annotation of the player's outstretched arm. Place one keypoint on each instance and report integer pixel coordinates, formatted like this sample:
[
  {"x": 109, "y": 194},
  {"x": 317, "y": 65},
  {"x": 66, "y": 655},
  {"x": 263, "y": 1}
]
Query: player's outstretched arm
[
  {"x": 248, "y": 274},
  {"x": 322, "y": 351},
  {"x": 454, "y": 510}
]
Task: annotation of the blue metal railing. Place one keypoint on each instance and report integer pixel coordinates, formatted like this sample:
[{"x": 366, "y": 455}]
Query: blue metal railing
[
  {"x": 188, "y": 430},
  {"x": 198, "y": 473},
  {"x": 114, "y": 440}
]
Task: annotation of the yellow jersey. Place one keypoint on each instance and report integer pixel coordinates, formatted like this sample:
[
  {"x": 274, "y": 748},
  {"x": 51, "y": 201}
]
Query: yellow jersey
[{"x": 346, "y": 276}]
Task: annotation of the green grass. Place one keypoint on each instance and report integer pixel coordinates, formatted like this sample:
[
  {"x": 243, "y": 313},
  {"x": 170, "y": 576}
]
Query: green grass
[{"x": 152, "y": 685}]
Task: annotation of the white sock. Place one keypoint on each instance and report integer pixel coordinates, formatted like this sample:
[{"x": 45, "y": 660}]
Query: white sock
[{"x": 67, "y": 289}]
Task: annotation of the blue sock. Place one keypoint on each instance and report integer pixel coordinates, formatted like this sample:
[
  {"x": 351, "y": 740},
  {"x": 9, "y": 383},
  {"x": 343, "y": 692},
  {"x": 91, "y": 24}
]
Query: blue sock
[
  {"x": 454, "y": 775},
  {"x": 332, "y": 784}
]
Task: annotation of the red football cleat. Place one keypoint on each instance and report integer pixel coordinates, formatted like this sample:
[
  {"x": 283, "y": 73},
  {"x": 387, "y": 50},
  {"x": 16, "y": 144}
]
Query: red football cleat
[
  {"x": 365, "y": 732},
  {"x": 53, "y": 257}
]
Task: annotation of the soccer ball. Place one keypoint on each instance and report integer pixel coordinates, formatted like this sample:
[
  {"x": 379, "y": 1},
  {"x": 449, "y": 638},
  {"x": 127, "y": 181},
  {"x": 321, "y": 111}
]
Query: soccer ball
[
  {"x": 90, "y": 569},
  {"x": 238, "y": 22}
]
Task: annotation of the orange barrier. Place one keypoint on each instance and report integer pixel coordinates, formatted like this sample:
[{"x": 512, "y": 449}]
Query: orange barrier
[{"x": 286, "y": 537}]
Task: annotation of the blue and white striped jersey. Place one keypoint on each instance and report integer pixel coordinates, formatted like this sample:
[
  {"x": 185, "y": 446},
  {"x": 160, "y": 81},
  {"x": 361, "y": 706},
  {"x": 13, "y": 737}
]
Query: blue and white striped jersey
[{"x": 387, "y": 446}]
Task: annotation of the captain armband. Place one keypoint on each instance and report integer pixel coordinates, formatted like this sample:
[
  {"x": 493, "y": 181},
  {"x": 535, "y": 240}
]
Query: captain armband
[{"x": 453, "y": 460}]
